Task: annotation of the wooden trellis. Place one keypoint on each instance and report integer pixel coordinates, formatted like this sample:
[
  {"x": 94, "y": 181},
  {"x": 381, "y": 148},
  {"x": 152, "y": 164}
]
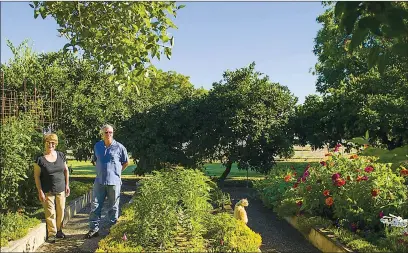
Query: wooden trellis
[{"x": 46, "y": 110}]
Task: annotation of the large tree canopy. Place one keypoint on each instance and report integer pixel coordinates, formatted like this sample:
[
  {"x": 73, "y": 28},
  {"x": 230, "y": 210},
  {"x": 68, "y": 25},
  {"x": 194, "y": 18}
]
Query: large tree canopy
[
  {"x": 386, "y": 22},
  {"x": 120, "y": 35},
  {"x": 355, "y": 97},
  {"x": 246, "y": 120}
]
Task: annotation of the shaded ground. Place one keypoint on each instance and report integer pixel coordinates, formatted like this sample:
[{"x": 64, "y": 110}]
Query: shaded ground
[
  {"x": 77, "y": 227},
  {"x": 277, "y": 235}
]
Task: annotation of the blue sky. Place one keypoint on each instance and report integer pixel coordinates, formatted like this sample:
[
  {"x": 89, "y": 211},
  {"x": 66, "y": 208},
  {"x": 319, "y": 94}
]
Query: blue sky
[{"x": 212, "y": 37}]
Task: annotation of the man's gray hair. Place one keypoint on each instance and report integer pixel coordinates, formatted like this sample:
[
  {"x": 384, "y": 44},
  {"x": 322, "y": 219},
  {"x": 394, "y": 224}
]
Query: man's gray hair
[{"x": 106, "y": 126}]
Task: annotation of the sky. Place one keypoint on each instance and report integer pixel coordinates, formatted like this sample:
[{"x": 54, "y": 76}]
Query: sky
[{"x": 212, "y": 37}]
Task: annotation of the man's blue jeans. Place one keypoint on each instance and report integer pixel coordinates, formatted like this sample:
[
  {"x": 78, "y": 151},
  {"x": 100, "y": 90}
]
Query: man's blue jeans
[{"x": 100, "y": 192}]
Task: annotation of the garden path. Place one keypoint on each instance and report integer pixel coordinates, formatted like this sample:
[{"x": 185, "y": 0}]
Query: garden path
[
  {"x": 277, "y": 234},
  {"x": 77, "y": 227}
]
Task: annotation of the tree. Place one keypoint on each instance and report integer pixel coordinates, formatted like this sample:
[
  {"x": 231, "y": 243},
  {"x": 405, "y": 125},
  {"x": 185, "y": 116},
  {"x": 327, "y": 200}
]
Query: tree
[
  {"x": 118, "y": 35},
  {"x": 386, "y": 21},
  {"x": 244, "y": 119},
  {"x": 355, "y": 98}
]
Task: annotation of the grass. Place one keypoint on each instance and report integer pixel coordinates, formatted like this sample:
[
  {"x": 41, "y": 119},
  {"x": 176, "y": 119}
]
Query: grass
[
  {"x": 87, "y": 170},
  {"x": 83, "y": 169}
]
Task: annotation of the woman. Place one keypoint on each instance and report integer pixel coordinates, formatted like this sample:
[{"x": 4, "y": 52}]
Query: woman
[{"x": 52, "y": 181}]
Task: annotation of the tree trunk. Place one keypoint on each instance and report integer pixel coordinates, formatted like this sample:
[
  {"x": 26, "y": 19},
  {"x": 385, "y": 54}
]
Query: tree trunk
[{"x": 226, "y": 172}]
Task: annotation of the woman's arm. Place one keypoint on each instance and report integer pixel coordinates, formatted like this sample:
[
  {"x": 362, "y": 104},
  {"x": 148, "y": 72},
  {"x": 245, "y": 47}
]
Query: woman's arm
[
  {"x": 37, "y": 173},
  {"x": 66, "y": 173}
]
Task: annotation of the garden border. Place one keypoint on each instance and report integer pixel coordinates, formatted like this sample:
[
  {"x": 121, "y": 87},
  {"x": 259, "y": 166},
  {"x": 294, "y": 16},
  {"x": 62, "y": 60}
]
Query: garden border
[
  {"x": 37, "y": 235},
  {"x": 321, "y": 238}
]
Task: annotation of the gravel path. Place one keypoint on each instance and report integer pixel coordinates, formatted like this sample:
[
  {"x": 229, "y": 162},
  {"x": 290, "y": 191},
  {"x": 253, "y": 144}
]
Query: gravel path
[
  {"x": 77, "y": 227},
  {"x": 277, "y": 235}
]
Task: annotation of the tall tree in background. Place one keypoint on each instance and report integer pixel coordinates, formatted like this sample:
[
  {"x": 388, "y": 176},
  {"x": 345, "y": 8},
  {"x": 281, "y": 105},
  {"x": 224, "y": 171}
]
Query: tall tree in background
[
  {"x": 123, "y": 36},
  {"x": 355, "y": 97},
  {"x": 245, "y": 119}
]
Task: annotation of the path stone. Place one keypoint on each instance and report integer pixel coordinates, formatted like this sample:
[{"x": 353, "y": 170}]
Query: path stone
[
  {"x": 277, "y": 235},
  {"x": 78, "y": 226}
]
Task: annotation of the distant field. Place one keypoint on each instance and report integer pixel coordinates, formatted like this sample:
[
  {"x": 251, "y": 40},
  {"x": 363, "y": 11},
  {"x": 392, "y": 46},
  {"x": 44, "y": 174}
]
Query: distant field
[{"x": 303, "y": 156}]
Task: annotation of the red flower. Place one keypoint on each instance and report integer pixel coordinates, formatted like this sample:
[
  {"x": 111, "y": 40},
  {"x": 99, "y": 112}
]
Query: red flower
[
  {"x": 329, "y": 201},
  {"x": 295, "y": 185},
  {"x": 323, "y": 163},
  {"x": 404, "y": 172},
  {"x": 369, "y": 169},
  {"x": 299, "y": 203},
  {"x": 336, "y": 148},
  {"x": 381, "y": 214},
  {"x": 287, "y": 178},
  {"x": 335, "y": 176},
  {"x": 340, "y": 182},
  {"x": 374, "y": 192},
  {"x": 348, "y": 178},
  {"x": 222, "y": 242},
  {"x": 365, "y": 178},
  {"x": 326, "y": 193},
  {"x": 309, "y": 188},
  {"x": 353, "y": 156}
]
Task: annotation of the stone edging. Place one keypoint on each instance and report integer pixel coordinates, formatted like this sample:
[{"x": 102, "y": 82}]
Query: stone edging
[
  {"x": 321, "y": 238},
  {"x": 37, "y": 235}
]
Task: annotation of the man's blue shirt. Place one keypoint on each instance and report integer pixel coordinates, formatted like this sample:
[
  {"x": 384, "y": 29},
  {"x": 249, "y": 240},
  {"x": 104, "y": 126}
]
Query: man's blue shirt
[{"x": 109, "y": 162}]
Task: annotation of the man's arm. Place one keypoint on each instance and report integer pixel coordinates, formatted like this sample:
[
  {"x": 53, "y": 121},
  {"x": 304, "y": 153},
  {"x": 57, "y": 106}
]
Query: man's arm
[{"x": 125, "y": 159}]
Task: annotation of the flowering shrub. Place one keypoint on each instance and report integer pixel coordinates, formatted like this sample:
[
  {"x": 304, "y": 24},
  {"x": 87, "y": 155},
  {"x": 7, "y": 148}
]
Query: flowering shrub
[{"x": 354, "y": 188}]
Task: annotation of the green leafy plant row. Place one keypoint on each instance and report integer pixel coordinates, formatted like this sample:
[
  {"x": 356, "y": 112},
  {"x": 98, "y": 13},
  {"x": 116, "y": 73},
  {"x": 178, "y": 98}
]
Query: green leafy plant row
[{"x": 172, "y": 213}]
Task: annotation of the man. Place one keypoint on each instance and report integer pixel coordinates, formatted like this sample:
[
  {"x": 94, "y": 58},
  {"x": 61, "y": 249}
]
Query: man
[{"x": 111, "y": 159}]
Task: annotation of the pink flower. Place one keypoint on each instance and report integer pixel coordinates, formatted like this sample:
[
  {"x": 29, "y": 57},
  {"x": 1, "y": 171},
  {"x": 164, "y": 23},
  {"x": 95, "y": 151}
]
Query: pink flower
[
  {"x": 381, "y": 214},
  {"x": 124, "y": 237},
  {"x": 336, "y": 148},
  {"x": 365, "y": 178},
  {"x": 369, "y": 169}
]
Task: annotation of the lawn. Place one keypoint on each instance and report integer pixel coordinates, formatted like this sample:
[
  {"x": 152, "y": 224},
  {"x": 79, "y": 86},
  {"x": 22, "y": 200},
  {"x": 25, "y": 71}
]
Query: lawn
[{"x": 86, "y": 169}]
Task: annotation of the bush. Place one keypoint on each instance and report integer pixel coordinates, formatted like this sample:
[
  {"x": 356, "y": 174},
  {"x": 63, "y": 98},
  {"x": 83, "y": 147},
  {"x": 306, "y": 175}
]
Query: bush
[
  {"x": 227, "y": 234},
  {"x": 78, "y": 189},
  {"x": 172, "y": 213},
  {"x": 18, "y": 147},
  {"x": 362, "y": 191},
  {"x": 15, "y": 226},
  {"x": 353, "y": 192}
]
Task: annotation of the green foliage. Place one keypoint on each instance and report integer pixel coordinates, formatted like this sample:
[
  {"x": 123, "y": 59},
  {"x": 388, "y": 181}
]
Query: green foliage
[
  {"x": 306, "y": 223},
  {"x": 246, "y": 120},
  {"x": 78, "y": 189},
  {"x": 14, "y": 226},
  {"x": 120, "y": 35},
  {"x": 19, "y": 145},
  {"x": 169, "y": 205},
  {"x": 354, "y": 97},
  {"x": 171, "y": 213},
  {"x": 227, "y": 234},
  {"x": 386, "y": 21}
]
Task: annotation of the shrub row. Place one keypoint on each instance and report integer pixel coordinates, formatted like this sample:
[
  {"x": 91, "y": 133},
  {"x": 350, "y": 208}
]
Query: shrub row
[
  {"x": 172, "y": 213},
  {"x": 353, "y": 192}
]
